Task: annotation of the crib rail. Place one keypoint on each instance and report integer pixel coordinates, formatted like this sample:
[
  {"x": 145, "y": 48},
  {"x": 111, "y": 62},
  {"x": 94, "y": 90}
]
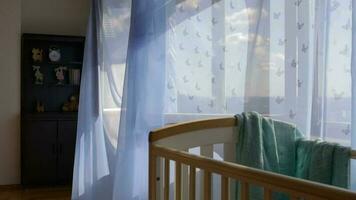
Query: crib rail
[
  {"x": 271, "y": 182},
  {"x": 187, "y": 164}
]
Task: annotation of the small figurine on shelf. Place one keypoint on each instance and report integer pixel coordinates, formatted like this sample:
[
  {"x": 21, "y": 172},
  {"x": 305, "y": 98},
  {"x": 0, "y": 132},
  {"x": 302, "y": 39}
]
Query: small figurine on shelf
[
  {"x": 54, "y": 54},
  {"x": 39, "y": 107},
  {"x": 60, "y": 74},
  {"x": 71, "y": 105},
  {"x": 38, "y": 75},
  {"x": 37, "y": 54}
]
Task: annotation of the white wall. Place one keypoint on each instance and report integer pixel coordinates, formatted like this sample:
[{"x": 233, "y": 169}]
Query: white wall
[
  {"x": 10, "y": 33},
  {"x": 63, "y": 17}
]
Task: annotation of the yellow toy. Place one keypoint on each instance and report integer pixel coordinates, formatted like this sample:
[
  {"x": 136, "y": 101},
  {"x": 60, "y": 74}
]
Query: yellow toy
[
  {"x": 37, "y": 54},
  {"x": 71, "y": 105},
  {"x": 39, "y": 107}
]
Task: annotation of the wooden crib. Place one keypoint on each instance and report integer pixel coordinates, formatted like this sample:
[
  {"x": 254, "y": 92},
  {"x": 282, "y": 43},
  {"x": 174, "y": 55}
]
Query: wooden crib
[{"x": 196, "y": 176}]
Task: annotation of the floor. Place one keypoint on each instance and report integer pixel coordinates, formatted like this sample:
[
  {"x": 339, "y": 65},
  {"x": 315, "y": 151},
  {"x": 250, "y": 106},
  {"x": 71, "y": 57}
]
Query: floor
[{"x": 18, "y": 193}]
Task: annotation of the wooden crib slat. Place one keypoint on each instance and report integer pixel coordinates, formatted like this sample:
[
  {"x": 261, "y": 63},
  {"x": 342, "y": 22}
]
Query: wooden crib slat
[
  {"x": 166, "y": 179},
  {"x": 230, "y": 156},
  {"x": 192, "y": 182},
  {"x": 207, "y": 151},
  {"x": 207, "y": 185},
  {"x": 267, "y": 194},
  {"x": 160, "y": 175},
  {"x": 178, "y": 181},
  {"x": 244, "y": 191},
  {"x": 185, "y": 181},
  {"x": 152, "y": 176},
  {"x": 232, "y": 189},
  {"x": 224, "y": 188}
]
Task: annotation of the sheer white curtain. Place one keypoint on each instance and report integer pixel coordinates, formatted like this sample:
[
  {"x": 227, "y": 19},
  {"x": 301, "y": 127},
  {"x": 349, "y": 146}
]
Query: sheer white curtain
[
  {"x": 100, "y": 99},
  {"x": 288, "y": 59},
  {"x": 353, "y": 106},
  {"x": 188, "y": 59}
]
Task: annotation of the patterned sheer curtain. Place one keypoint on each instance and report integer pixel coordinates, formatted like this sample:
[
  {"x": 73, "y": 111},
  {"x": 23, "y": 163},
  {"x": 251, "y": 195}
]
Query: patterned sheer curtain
[
  {"x": 151, "y": 63},
  {"x": 287, "y": 59}
]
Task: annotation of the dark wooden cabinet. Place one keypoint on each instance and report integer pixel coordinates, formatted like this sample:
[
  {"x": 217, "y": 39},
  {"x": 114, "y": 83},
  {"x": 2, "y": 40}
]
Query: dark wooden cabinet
[
  {"x": 48, "y": 135},
  {"x": 66, "y": 148},
  {"x": 39, "y": 152},
  {"x": 48, "y": 147}
]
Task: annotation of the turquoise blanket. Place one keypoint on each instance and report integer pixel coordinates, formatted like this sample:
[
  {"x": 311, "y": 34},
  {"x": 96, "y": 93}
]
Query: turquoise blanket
[
  {"x": 323, "y": 162},
  {"x": 279, "y": 147}
]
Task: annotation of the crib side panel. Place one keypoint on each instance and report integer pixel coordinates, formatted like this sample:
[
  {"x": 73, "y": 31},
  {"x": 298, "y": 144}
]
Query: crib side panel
[
  {"x": 204, "y": 143},
  {"x": 199, "y": 138}
]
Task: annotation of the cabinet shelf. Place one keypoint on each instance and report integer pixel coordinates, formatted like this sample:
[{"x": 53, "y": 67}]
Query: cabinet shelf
[
  {"x": 64, "y": 63},
  {"x": 49, "y": 63},
  {"x": 45, "y": 85}
]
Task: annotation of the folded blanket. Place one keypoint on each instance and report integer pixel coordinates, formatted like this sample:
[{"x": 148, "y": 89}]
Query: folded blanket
[
  {"x": 323, "y": 162},
  {"x": 279, "y": 147},
  {"x": 266, "y": 144}
]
